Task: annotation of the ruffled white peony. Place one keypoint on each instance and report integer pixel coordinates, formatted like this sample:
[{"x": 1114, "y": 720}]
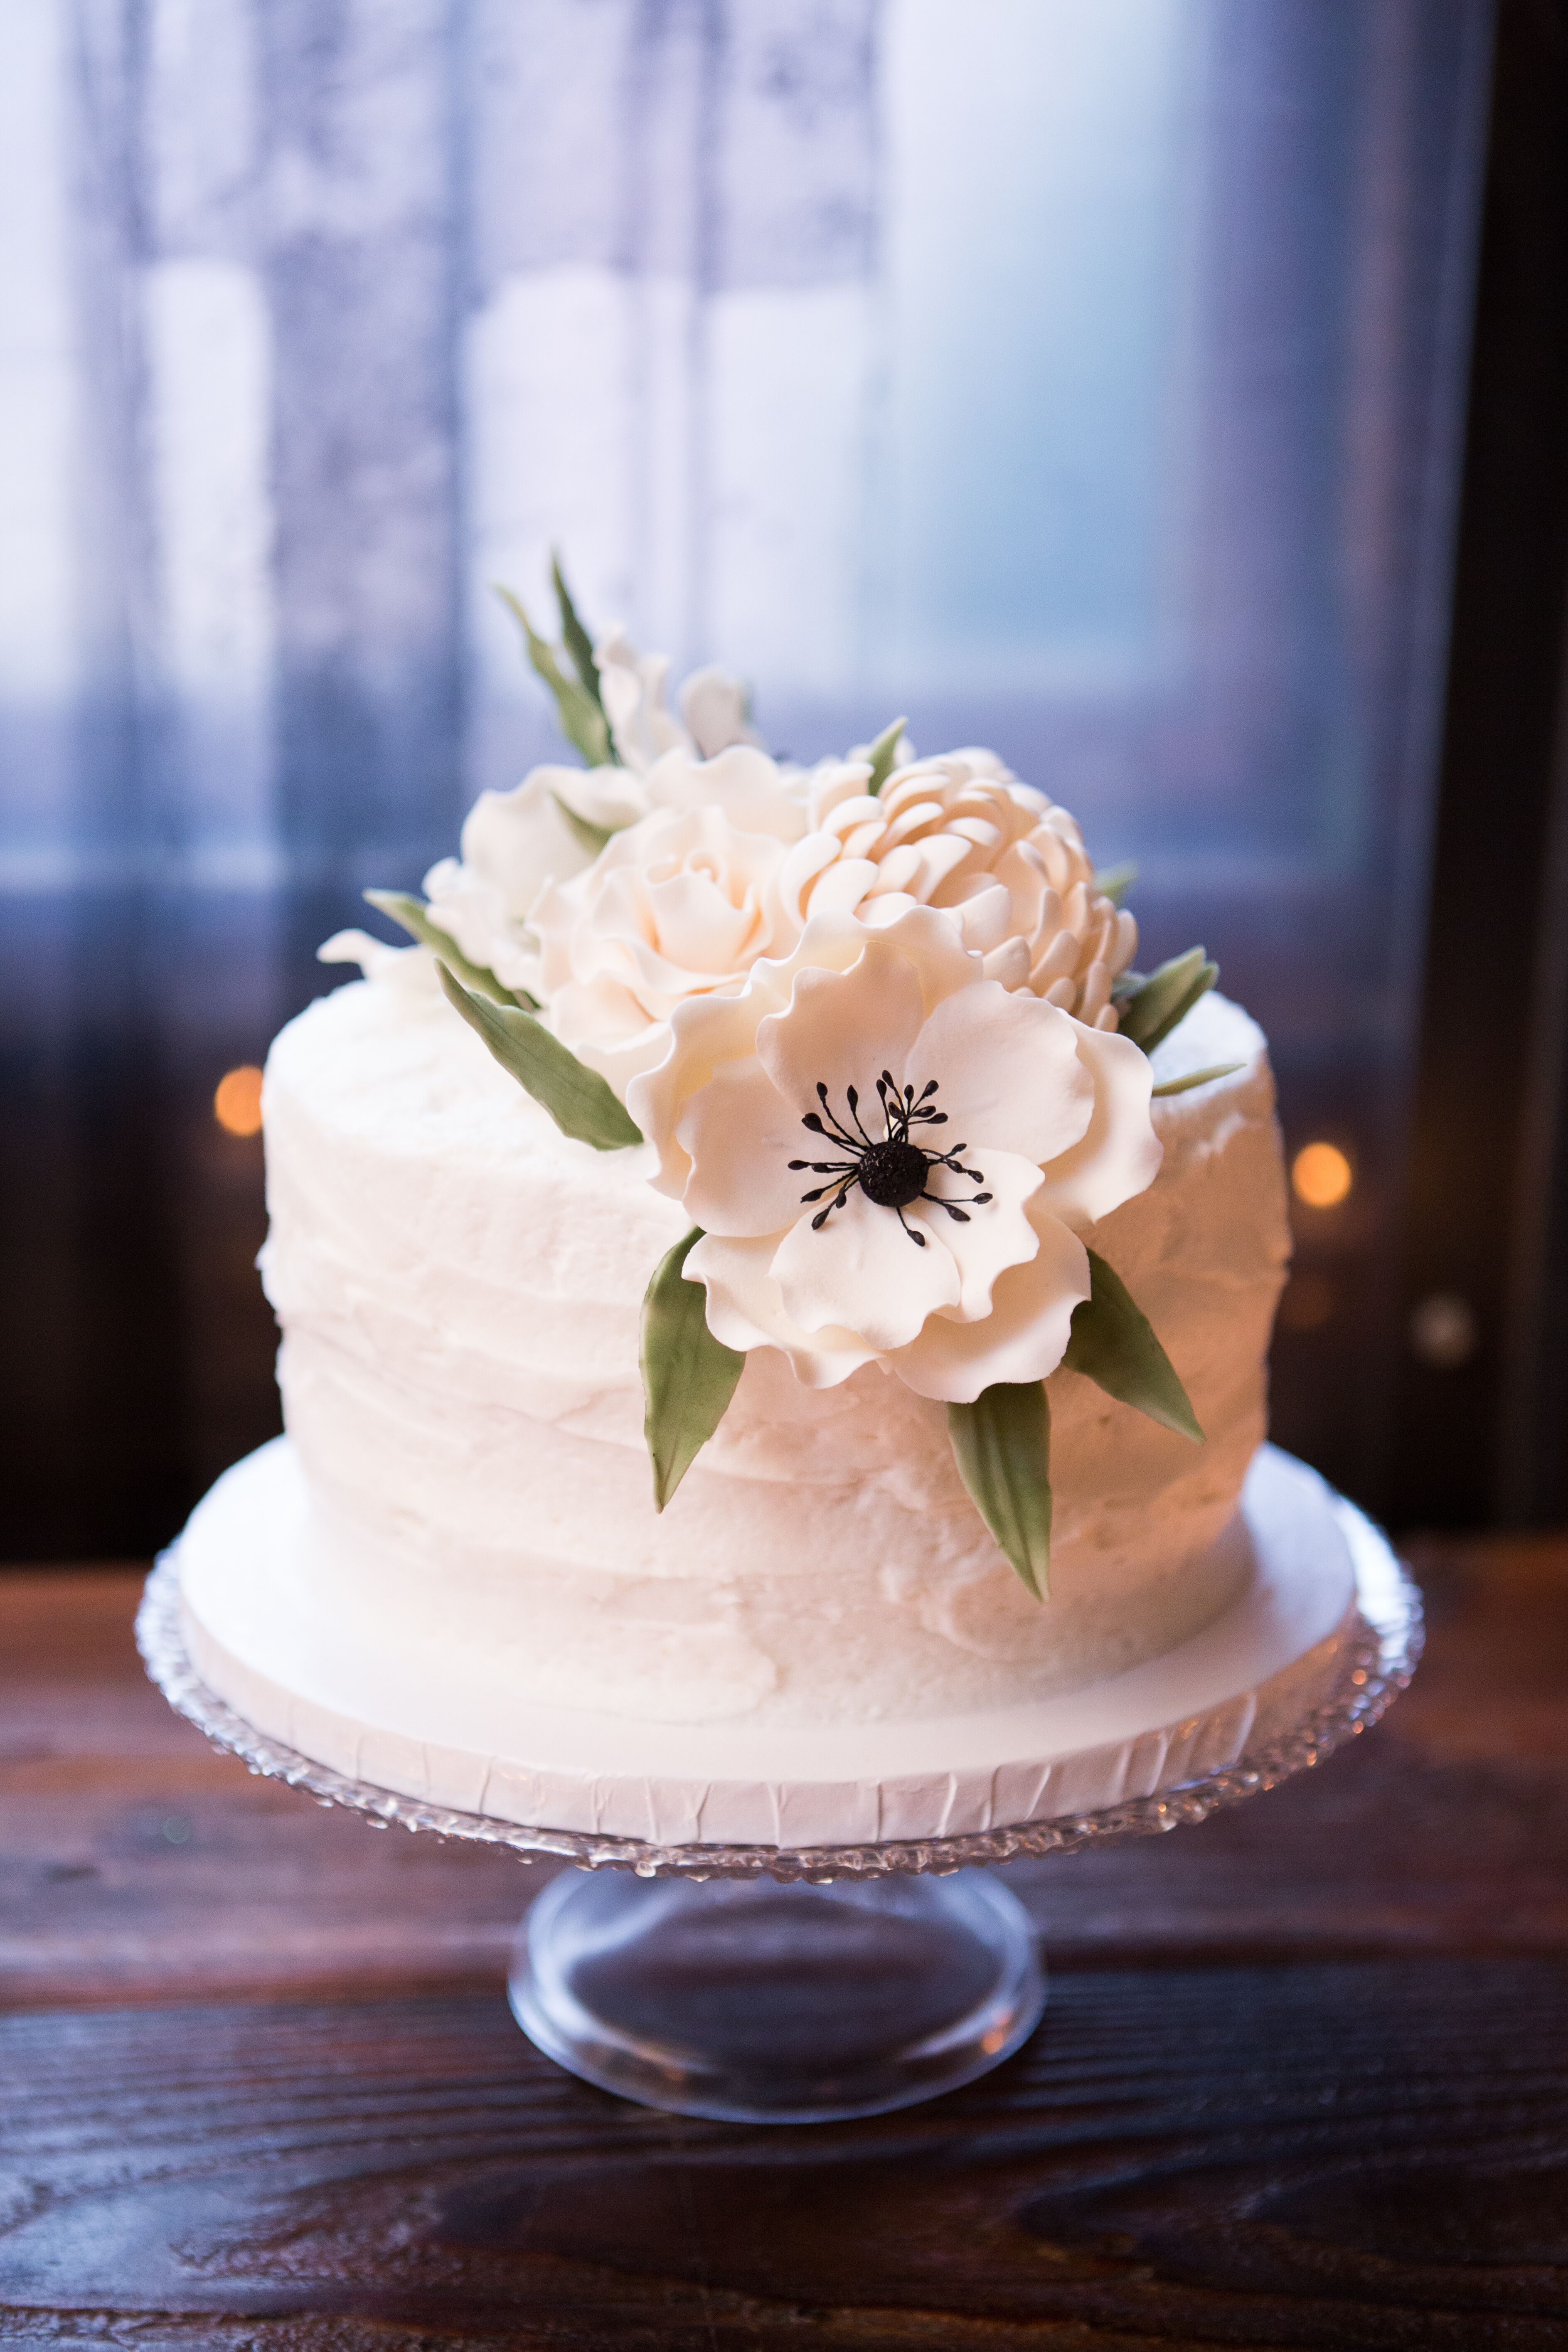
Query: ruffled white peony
[
  {"x": 1002, "y": 860},
  {"x": 891, "y": 1156}
]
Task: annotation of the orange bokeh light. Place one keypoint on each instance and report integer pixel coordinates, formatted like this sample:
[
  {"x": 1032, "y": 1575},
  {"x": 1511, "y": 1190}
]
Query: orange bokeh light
[
  {"x": 237, "y": 1105},
  {"x": 1322, "y": 1175}
]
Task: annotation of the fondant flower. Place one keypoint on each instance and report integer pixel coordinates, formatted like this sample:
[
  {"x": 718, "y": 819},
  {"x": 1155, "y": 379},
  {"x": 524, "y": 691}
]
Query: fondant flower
[
  {"x": 714, "y": 705},
  {"x": 1006, "y": 865},
  {"x": 679, "y": 906},
  {"x": 752, "y": 791},
  {"x": 891, "y": 1156},
  {"x": 512, "y": 844},
  {"x": 631, "y": 687}
]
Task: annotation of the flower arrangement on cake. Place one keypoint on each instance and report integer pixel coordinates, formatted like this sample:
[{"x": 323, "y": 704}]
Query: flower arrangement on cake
[{"x": 877, "y": 1019}]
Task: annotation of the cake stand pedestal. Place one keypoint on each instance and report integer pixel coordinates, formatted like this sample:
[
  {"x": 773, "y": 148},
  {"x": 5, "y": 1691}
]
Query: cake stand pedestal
[
  {"x": 766, "y": 1984},
  {"x": 766, "y": 2002}
]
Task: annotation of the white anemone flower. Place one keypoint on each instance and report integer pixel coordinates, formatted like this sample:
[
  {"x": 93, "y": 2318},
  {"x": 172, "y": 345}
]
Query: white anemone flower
[{"x": 892, "y": 1157}]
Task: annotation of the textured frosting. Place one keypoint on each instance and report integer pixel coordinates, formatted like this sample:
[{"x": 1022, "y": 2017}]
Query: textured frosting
[{"x": 458, "y": 1287}]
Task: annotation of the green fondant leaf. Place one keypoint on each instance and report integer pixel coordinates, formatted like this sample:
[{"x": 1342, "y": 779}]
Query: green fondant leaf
[
  {"x": 415, "y": 916},
  {"x": 1167, "y": 996},
  {"x": 577, "y": 1099},
  {"x": 575, "y": 636},
  {"x": 581, "y": 720},
  {"x": 1196, "y": 1079},
  {"x": 882, "y": 755},
  {"x": 1002, "y": 1443},
  {"x": 1113, "y": 882},
  {"x": 687, "y": 1375},
  {"x": 588, "y": 835},
  {"x": 1113, "y": 1344}
]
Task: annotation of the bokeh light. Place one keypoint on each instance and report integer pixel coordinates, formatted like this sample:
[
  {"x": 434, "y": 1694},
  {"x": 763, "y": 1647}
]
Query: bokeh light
[
  {"x": 237, "y": 1105},
  {"x": 1444, "y": 1331},
  {"x": 1322, "y": 1175}
]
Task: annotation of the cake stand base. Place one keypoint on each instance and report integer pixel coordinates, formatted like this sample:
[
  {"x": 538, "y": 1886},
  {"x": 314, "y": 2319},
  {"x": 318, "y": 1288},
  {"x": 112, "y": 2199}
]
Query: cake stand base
[{"x": 757, "y": 2001}]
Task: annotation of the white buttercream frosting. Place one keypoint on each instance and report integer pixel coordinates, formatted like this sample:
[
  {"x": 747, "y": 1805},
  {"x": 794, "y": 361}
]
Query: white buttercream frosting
[{"x": 458, "y": 1287}]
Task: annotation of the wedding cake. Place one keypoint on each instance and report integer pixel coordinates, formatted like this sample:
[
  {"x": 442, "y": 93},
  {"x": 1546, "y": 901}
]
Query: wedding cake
[{"x": 774, "y": 1312}]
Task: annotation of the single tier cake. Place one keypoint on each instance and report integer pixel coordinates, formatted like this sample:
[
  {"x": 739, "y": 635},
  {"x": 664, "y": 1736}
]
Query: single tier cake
[
  {"x": 774, "y": 1314},
  {"x": 459, "y": 1285}
]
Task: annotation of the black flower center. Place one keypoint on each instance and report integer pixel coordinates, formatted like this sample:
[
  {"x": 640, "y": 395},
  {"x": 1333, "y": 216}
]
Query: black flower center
[
  {"x": 892, "y": 1170},
  {"x": 893, "y": 1174}
]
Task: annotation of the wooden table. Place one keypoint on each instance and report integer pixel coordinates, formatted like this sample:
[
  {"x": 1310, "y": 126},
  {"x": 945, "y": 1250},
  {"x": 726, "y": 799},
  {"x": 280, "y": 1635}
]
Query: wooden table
[{"x": 1302, "y": 2080}]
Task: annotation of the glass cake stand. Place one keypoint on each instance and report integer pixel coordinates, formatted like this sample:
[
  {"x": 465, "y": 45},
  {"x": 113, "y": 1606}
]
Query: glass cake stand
[{"x": 769, "y": 1984}]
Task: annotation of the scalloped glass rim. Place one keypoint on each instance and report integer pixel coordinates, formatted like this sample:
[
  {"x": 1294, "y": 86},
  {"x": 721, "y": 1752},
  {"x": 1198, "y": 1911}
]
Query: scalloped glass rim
[{"x": 1379, "y": 1657}]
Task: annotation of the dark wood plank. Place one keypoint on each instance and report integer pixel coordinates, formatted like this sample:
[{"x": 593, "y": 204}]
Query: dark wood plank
[
  {"x": 1369, "y": 2154},
  {"x": 1303, "y": 2079}
]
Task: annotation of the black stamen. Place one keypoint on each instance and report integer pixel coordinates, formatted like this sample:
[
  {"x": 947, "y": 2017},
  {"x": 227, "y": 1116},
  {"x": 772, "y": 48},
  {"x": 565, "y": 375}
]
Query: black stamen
[{"x": 893, "y": 1170}]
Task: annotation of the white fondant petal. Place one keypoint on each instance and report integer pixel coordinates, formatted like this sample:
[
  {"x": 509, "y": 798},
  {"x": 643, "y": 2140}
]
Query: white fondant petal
[
  {"x": 998, "y": 1233},
  {"x": 1009, "y": 1072},
  {"x": 842, "y": 1030},
  {"x": 935, "y": 947},
  {"x": 741, "y": 1136},
  {"x": 1024, "y": 1337},
  {"x": 745, "y": 1310},
  {"x": 713, "y": 705},
  {"x": 862, "y": 1272},
  {"x": 703, "y": 1032},
  {"x": 1121, "y": 1153}
]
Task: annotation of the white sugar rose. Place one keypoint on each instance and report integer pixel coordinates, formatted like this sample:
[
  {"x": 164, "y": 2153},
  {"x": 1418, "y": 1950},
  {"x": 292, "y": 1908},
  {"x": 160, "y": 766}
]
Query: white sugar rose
[
  {"x": 752, "y": 790},
  {"x": 1001, "y": 860},
  {"x": 679, "y": 906},
  {"x": 891, "y": 1157}
]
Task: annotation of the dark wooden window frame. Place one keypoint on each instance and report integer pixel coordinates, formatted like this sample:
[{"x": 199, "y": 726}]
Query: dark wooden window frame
[{"x": 1487, "y": 1215}]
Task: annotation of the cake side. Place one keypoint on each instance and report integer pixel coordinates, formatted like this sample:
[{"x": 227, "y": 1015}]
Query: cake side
[{"x": 459, "y": 1284}]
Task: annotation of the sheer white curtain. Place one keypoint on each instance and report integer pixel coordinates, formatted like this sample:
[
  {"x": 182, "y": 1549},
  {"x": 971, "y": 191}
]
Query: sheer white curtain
[
  {"x": 1083, "y": 379},
  {"x": 1084, "y": 376}
]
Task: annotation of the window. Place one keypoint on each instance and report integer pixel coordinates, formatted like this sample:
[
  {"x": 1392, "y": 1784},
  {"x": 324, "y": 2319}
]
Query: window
[{"x": 1086, "y": 381}]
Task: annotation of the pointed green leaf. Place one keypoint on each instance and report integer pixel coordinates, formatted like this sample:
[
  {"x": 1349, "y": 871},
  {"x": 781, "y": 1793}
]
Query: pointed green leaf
[
  {"x": 1167, "y": 996},
  {"x": 575, "y": 638},
  {"x": 687, "y": 1375},
  {"x": 581, "y": 720},
  {"x": 415, "y": 916},
  {"x": 1126, "y": 984},
  {"x": 1113, "y": 882},
  {"x": 1113, "y": 1344},
  {"x": 577, "y": 1099},
  {"x": 1002, "y": 1443},
  {"x": 884, "y": 752},
  {"x": 588, "y": 835},
  {"x": 1196, "y": 1079}
]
